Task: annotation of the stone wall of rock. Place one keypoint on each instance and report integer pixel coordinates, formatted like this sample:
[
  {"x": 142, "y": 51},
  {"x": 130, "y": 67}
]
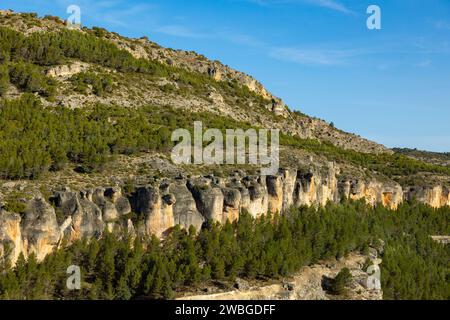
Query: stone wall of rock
[{"x": 188, "y": 202}]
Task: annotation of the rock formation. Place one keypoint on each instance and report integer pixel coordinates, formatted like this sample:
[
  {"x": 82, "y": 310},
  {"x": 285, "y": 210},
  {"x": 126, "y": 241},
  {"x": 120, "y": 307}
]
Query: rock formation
[{"x": 187, "y": 202}]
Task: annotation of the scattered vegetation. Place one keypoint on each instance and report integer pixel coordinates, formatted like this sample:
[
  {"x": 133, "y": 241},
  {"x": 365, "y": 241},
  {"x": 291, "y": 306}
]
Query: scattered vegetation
[
  {"x": 428, "y": 156},
  {"x": 35, "y": 139},
  {"x": 4, "y": 79},
  {"x": 54, "y": 48}
]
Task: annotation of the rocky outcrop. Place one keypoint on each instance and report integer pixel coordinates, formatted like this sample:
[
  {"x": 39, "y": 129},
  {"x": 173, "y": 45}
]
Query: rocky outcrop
[
  {"x": 155, "y": 209},
  {"x": 83, "y": 218},
  {"x": 64, "y": 72},
  {"x": 40, "y": 229},
  {"x": 436, "y": 196},
  {"x": 254, "y": 196},
  {"x": 373, "y": 192},
  {"x": 441, "y": 239}
]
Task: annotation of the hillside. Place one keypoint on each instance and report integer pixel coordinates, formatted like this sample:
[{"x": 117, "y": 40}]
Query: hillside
[
  {"x": 439, "y": 158},
  {"x": 172, "y": 77},
  {"x": 86, "y": 118}
]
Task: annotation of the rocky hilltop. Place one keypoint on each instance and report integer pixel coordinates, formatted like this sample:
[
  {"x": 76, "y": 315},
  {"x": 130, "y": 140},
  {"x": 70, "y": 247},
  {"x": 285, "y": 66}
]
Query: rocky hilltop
[{"x": 141, "y": 91}]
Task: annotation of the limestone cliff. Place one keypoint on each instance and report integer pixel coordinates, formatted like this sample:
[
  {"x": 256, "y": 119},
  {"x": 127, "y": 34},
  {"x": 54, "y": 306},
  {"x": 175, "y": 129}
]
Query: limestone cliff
[{"x": 187, "y": 201}]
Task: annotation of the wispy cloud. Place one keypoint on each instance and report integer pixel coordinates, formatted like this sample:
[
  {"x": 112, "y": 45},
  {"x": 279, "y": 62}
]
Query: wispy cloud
[
  {"x": 226, "y": 34},
  {"x": 114, "y": 12},
  {"x": 442, "y": 25},
  {"x": 425, "y": 63},
  {"x": 328, "y": 4},
  {"x": 239, "y": 38},
  {"x": 180, "y": 31},
  {"x": 431, "y": 46},
  {"x": 321, "y": 57}
]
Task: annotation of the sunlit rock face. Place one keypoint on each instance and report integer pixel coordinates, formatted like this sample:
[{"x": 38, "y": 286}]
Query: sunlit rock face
[
  {"x": 10, "y": 236},
  {"x": 231, "y": 202},
  {"x": 189, "y": 202},
  {"x": 435, "y": 196},
  {"x": 372, "y": 192},
  {"x": 275, "y": 193}
]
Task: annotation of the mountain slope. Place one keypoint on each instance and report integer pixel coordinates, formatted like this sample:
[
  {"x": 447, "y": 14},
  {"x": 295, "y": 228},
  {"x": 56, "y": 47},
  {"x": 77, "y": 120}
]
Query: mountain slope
[
  {"x": 210, "y": 85},
  {"x": 87, "y": 117}
]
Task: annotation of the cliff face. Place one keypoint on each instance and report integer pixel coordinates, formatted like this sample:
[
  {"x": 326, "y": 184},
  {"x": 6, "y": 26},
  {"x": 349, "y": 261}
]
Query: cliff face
[{"x": 183, "y": 201}]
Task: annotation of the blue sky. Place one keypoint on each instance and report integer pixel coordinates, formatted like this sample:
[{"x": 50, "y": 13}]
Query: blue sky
[{"x": 390, "y": 85}]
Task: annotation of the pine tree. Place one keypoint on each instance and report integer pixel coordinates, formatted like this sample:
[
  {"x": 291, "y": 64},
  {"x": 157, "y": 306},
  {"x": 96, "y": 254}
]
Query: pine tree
[
  {"x": 341, "y": 281},
  {"x": 4, "y": 79}
]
